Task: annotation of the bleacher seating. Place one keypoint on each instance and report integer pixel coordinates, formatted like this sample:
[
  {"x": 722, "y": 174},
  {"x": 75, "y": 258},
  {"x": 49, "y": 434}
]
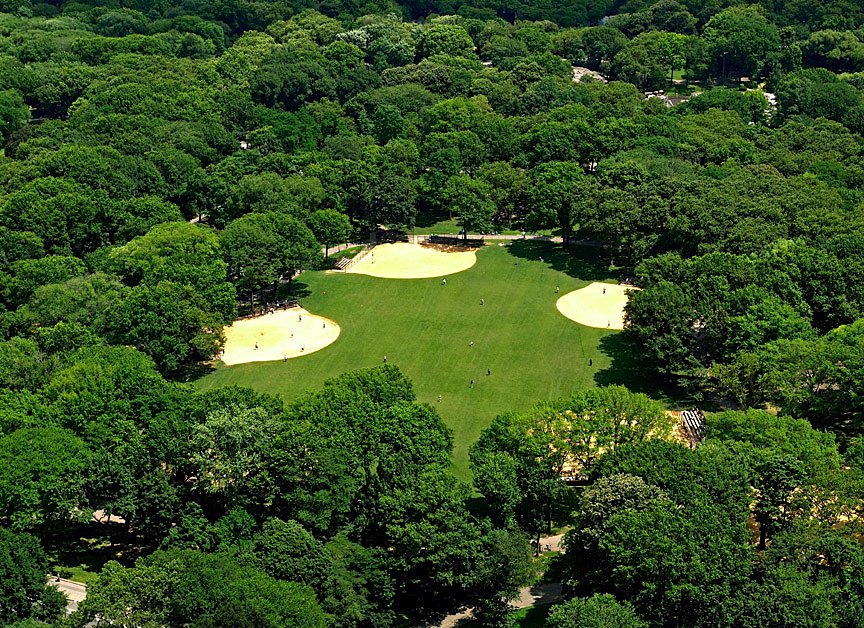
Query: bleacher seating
[{"x": 693, "y": 425}]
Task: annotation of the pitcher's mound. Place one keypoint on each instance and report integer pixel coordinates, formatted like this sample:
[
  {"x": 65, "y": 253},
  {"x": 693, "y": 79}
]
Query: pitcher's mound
[
  {"x": 596, "y": 305},
  {"x": 401, "y": 260},
  {"x": 280, "y": 335}
]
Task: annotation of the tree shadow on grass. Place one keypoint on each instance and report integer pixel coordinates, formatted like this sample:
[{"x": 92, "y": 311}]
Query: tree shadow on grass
[
  {"x": 580, "y": 262},
  {"x": 87, "y": 547},
  {"x": 427, "y": 219},
  {"x": 626, "y": 369},
  {"x": 533, "y": 617},
  {"x": 299, "y": 290}
]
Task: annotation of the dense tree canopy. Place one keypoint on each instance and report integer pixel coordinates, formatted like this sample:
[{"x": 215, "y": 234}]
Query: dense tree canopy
[{"x": 167, "y": 165}]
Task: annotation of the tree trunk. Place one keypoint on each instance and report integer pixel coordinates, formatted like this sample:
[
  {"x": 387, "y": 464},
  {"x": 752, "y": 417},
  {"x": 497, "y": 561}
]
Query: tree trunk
[{"x": 326, "y": 252}]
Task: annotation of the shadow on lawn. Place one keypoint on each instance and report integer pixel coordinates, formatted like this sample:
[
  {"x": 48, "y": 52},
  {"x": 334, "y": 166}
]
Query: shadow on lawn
[
  {"x": 427, "y": 219},
  {"x": 580, "y": 262},
  {"x": 625, "y": 369},
  {"x": 299, "y": 290},
  {"x": 87, "y": 547}
]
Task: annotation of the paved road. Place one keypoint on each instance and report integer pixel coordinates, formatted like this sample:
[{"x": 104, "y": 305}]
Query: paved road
[{"x": 75, "y": 591}]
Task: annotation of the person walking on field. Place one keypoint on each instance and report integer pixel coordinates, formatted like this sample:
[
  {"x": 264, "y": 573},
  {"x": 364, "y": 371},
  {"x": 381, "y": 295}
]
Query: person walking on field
[
  {"x": 444, "y": 282},
  {"x": 385, "y": 359},
  {"x": 471, "y": 344}
]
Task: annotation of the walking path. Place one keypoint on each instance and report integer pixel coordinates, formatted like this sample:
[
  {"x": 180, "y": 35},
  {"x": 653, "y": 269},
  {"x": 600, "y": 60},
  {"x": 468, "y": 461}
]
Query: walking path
[
  {"x": 528, "y": 596},
  {"x": 75, "y": 592}
]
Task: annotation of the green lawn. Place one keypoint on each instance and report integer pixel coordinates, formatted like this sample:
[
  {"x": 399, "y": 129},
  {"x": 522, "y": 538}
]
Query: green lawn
[{"x": 425, "y": 329}]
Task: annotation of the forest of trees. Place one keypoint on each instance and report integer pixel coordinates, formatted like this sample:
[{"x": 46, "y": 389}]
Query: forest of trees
[{"x": 166, "y": 163}]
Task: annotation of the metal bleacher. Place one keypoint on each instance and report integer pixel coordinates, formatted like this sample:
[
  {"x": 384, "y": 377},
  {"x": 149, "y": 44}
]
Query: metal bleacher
[{"x": 693, "y": 425}]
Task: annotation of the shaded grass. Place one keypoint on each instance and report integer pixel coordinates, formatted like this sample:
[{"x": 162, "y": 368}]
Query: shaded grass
[
  {"x": 425, "y": 328},
  {"x": 531, "y": 617},
  {"x": 79, "y": 551}
]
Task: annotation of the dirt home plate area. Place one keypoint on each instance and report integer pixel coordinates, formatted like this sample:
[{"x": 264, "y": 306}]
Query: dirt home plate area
[
  {"x": 293, "y": 333},
  {"x": 277, "y": 336},
  {"x": 596, "y": 305}
]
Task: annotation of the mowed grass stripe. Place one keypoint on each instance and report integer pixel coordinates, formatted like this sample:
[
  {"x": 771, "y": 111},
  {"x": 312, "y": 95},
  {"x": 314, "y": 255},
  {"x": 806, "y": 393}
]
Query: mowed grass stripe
[{"x": 425, "y": 328}]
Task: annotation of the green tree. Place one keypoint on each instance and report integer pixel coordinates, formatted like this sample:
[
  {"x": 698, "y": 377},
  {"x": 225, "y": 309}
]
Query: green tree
[
  {"x": 560, "y": 196},
  {"x": 779, "y": 500},
  {"x": 649, "y": 58},
  {"x": 504, "y": 567},
  {"x": 14, "y": 113},
  {"x": 675, "y": 565},
  {"x": 739, "y": 42},
  {"x": 41, "y": 477},
  {"x": 470, "y": 200},
  {"x": 658, "y": 326},
  {"x": 598, "y": 611},
  {"x": 183, "y": 254},
  {"x": 602, "y": 43},
  {"x": 445, "y": 39},
  {"x": 169, "y": 322},
  {"x": 24, "y": 593},
  {"x": 186, "y": 587},
  {"x": 607, "y": 497},
  {"x": 329, "y": 227},
  {"x": 286, "y": 551},
  {"x": 359, "y": 591},
  {"x": 227, "y": 451}
]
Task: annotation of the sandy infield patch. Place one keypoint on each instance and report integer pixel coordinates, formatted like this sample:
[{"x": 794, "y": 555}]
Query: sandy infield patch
[
  {"x": 596, "y": 305},
  {"x": 402, "y": 260},
  {"x": 283, "y": 334}
]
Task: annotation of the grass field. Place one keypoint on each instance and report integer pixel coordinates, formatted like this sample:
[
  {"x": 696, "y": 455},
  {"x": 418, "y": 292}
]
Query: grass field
[{"x": 425, "y": 328}]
